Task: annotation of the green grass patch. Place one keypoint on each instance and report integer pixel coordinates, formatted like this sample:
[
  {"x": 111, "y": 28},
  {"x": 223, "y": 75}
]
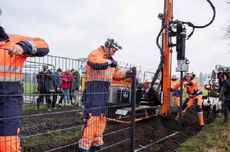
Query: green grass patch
[
  {"x": 214, "y": 137},
  {"x": 51, "y": 138},
  {"x": 29, "y": 87},
  {"x": 31, "y": 107},
  {"x": 205, "y": 92}
]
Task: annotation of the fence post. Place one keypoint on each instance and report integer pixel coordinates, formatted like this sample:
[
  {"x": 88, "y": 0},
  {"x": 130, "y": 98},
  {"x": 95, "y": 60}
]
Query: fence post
[
  {"x": 181, "y": 100},
  {"x": 133, "y": 104}
]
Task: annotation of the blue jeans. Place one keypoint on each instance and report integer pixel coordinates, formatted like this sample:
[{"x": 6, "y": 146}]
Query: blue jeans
[{"x": 66, "y": 94}]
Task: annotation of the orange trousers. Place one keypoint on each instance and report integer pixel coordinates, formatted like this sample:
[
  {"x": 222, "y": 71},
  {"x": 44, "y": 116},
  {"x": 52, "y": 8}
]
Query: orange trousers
[
  {"x": 189, "y": 102},
  {"x": 177, "y": 100},
  {"x": 93, "y": 132},
  {"x": 9, "y": 144}
]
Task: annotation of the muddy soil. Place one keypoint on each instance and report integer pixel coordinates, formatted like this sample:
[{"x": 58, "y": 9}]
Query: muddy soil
[
  {"x": 117, "y": 136},
  {"x": 152, "y": 130}
]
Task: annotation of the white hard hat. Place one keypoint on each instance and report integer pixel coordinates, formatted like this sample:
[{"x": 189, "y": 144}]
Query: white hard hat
[
  {"x": 175, "y": 77},
  {"x": 189, "y": 73}
]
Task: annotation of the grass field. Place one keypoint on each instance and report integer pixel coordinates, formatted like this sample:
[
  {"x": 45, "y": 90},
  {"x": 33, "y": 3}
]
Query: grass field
[
  {"x": 29, "y": 87},
  {"x": 30, "y": 107},
  {"x": 205, "y": 92},
  {"x": 214, "y": 137}
]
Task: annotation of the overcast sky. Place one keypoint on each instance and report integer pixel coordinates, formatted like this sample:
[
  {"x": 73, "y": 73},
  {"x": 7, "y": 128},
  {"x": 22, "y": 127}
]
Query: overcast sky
[{"x": 73, "y": 28}]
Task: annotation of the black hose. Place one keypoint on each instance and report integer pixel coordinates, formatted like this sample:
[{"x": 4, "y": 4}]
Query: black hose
[
  {"x": 209, "y": 23},
  {"x": 190, "y": 34},
  {"x": 201, "y": 26},
  {"x": 162, "y": 59},
  {"x": 213, "y": 17},
  {"x": 161, "y": 64}
]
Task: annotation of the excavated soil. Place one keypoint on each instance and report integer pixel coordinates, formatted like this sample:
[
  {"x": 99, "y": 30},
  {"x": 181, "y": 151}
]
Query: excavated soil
[
  {"x": 147, "y": 132},
  {"x": 152, "y": 130}
]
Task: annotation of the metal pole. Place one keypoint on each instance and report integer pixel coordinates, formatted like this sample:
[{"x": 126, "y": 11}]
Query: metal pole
[
  {"x": 142, "y": 148},
  {"x": 181, "y": 99},
  {"x": 133, "y": 112}
]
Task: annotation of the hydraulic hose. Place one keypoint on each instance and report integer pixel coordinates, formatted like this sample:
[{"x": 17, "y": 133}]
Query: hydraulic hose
[
  {"x": 161, "y": 64},
  {"x": 213, "y": 17},
  {"x": 202, "y": 26}
]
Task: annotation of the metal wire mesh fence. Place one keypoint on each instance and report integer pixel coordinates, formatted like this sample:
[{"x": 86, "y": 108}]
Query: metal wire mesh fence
[{"x": 67, "y": 108}]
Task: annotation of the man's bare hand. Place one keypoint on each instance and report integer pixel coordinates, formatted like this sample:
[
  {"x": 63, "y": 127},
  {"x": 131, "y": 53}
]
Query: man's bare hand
[
  {"x": 15, "y": 50},
  {"x": 186, "y": 84}
]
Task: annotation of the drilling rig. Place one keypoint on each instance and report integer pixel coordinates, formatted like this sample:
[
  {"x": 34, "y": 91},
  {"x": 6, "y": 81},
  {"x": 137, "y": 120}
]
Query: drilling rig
[
  {"x": 172, "y": 29},
  {"x": 158, "y": 94}
]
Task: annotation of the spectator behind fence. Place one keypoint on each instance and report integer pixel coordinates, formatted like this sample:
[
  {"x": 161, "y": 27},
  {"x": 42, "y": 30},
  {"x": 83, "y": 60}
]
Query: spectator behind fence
[
  {"x": 14, "y": 49},
  {"x": 57, "y": 86},
  {"x": 225, "y": 96},
  {"x": 75, "y": 85},
  {"x": 100, "y": 69},
  {"x": 45, "y": 87},
  {"x": 66, "y": 80}
]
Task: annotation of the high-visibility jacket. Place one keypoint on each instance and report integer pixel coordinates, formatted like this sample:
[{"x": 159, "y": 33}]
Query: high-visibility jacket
[
  {"x": 194, "y": 97},
  {"x": 11, "y": 88},
  {"x": 99, "y": 76},
  {"x": 97, "y": 67},
  {"x": 175, "y": 84},
  {"x": 11, "y": 67},
  {"x": 119, "y": 79},
  {"x": 193, "y": 88}
]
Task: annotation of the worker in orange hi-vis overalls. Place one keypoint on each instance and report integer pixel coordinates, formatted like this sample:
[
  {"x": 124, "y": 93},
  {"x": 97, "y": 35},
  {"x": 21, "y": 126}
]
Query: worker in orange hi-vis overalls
[
  {"x": 120, "y": 80},
  {"x": 14, "y": 49},
  {"x": 175, "y": 89},
  {"x": 100, "y": 70},
  {"x": 194, "y": 97}
]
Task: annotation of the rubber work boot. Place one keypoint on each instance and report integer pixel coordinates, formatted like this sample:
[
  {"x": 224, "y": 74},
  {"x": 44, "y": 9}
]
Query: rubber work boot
[
  {"x": 201, "y": 119},
  {"x": 95, "y": 148},
  {"x": 82, "y": 150}
]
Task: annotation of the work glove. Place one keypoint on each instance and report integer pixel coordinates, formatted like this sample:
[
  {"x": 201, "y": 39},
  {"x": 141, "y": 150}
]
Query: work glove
[
  {"x": 112, "y": 63},
  {"x": 128, "y": 74},
  {"x": 15, "y": 50}
]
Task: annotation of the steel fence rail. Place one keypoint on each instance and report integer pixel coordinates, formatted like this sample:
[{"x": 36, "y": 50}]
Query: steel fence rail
[
  {"x": 75, "y": 143},
  {"x": 42, "y": 124}
]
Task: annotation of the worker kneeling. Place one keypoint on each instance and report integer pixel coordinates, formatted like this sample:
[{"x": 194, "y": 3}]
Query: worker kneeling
[{"x": 194, "y": 97}]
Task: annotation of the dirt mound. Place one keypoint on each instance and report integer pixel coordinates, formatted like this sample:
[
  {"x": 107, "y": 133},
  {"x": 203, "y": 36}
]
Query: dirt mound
[
  {"x": 117, "y": 136},
  {"x": 150, "y": 131}
]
